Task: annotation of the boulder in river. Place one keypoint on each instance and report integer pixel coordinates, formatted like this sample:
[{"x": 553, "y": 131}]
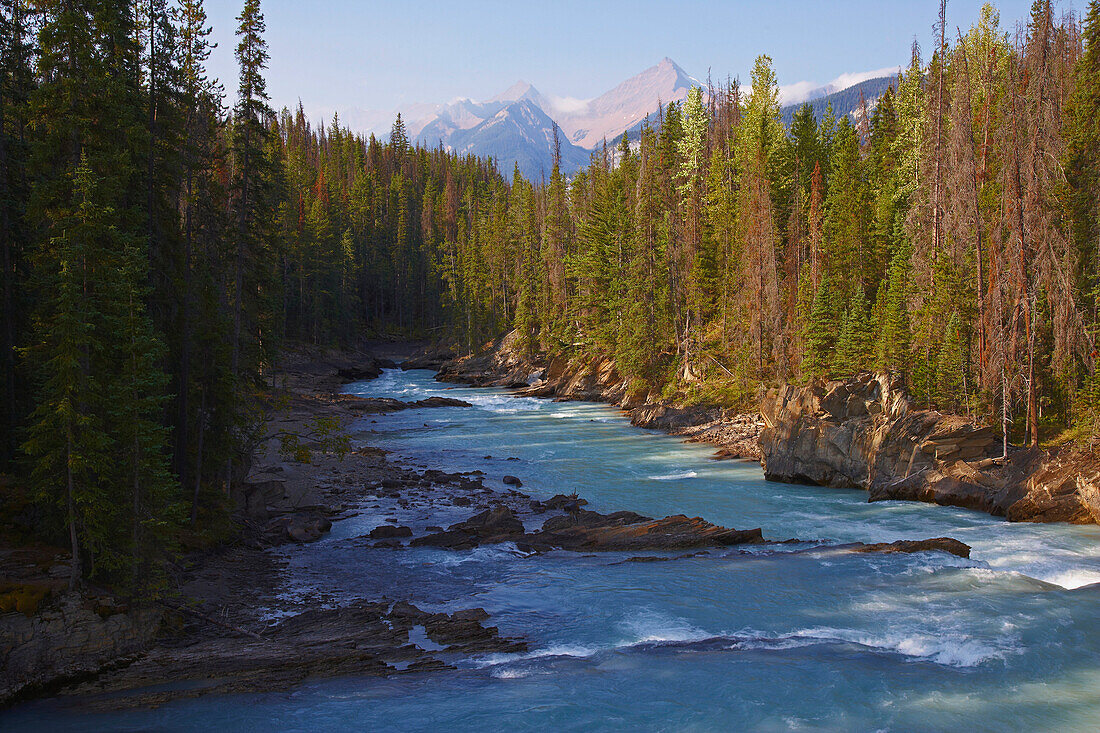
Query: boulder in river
[
  {"x": 304, "y": 526},
  {"x": 388, "y": 531},
  {"x": 936, "y": 544},
  {"x": 368, "y": 405},
  {"x": 512, "y": 481},
  {"x": 627, "y": 531}
]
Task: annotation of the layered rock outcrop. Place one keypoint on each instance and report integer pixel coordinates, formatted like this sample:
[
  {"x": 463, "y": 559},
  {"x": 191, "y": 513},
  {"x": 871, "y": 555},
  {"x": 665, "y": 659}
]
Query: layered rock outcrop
[
  {"x": 73, "y": 636},
  {"x": 865, "y": 433}
]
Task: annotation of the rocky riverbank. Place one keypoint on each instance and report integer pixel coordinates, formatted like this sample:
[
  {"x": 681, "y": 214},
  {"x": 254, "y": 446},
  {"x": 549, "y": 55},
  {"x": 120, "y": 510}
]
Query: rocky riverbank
[
  {"x": 865, "y": 433},
  {"x": 217, "y": 624},
  {"x": 734, "y": 434},
  {"x": 858, "y": 433},
  {"x": 234, "y": 626}
]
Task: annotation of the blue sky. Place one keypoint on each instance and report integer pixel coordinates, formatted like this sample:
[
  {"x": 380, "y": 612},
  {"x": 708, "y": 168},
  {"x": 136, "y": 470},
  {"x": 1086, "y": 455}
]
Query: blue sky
[{"x": 345, "y": 55}]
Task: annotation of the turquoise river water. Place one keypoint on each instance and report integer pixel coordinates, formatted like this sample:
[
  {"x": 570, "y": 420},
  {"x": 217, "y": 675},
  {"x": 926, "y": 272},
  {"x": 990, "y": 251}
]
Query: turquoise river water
[{"x": 765, "y": 639}]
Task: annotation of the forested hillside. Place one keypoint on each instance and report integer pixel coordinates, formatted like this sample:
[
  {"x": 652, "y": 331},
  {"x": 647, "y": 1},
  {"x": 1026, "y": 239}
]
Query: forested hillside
[{"x": 158, "y": 247}]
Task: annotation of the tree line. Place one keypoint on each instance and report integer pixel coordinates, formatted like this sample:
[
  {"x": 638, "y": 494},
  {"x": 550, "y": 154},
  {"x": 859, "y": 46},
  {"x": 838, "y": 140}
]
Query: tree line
[
  {"x": 159, "y": 247},
  {"x": 947, "y": 231}
]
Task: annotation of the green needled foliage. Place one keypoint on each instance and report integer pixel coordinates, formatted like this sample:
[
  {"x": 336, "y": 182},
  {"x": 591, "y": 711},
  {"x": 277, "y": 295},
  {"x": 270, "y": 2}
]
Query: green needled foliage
[{"x": 947, "y": 232}]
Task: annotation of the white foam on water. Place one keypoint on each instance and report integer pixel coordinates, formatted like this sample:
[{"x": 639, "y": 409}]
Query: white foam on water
[
  {"x": 946, "y": 648},
  {"x": 483, "y": 553},
  {"x": 649, "y": 626},
  {"x": 503, "y": 404},
  {"x": 576, "y": 651},
  {"x": 1074, "y": 578},
  {"x": 674, "y": 476}
]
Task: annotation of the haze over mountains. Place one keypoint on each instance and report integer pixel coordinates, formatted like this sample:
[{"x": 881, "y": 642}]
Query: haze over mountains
[{"x": 516, "y": 127}]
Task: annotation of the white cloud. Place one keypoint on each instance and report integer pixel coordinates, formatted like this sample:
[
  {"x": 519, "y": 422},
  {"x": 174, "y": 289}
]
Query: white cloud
[
  {"x": 804, "y": 90},
  {"x": 568, "y": 105}
]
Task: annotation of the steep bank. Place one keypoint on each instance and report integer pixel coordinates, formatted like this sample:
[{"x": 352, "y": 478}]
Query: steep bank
[
  {"x": 865, "y": 433},
  {"x": 595, "y": 379}
]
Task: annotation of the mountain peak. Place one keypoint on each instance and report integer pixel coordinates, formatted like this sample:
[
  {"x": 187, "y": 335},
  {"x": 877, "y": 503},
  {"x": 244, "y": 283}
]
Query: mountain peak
[
  {"x": 613, "y": 113},
  {"x": 519, "y": 90}
]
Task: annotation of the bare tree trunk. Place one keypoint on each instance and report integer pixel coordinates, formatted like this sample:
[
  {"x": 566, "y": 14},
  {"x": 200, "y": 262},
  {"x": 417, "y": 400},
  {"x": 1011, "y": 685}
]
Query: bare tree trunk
[
  {"x": 1004, "y": 413},
  {"x": 1032, "y": 377},
  {"x": 70, "y": 502},
  {"x": 938, "y": 142},
  {"x": 198, "y": 457},
  {"x": 978, "y": 229}
]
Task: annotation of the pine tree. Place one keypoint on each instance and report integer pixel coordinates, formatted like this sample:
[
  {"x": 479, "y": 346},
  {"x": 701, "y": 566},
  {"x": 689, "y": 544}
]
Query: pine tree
[
  {"x": 1082, "y": 163},
  {"x": 892, "y": 353},
  {"x": 68, "y": 439},
  {"x": 16, "y": 83},
  {"x": 251, "y": 186},
  {"x": 951, "y": 382},
  {"x": 856, "y": 342},
  {"x": 821, "y": 332}
]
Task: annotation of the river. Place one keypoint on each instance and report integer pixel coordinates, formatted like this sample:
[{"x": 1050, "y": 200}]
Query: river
[{"x": 796, "y": 637}]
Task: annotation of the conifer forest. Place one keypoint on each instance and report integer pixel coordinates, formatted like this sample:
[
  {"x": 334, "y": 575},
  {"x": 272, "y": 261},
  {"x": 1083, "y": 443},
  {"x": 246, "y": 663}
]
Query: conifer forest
[{"x": 162, "y": 242}]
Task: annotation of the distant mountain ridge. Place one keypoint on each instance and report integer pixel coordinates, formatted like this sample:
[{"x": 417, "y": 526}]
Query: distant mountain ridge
[
  {"x": 516, "y": 127},
  {"x": 845, "y": 101}
]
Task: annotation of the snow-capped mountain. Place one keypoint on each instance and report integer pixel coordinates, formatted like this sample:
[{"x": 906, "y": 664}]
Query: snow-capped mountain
[
  {"x": 516, "y": 127},
  {"x": 519, "y": 134},
  {"x": 611, "y": 114}
]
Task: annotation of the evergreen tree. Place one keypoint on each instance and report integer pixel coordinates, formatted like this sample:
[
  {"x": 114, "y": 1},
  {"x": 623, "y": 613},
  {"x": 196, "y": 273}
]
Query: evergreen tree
[
  {"x": 821, "y": 332},
  {"x": 1083, "y": 164},
  {"x": 68, "y": 439},
  {"x": 251, "y": 186},
  {"x": 16, "y": 84},
  {"x": 892, "y": 352},
  {"x": 951, "y": 382},
  {"x": 855, "y": 343}
]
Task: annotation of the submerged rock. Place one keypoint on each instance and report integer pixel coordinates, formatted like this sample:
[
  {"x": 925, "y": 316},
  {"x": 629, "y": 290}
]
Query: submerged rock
[{"x": 387, "y": 531}]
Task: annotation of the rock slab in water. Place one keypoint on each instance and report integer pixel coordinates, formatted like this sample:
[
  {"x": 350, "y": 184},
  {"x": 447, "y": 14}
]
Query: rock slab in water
[
  {"x": 389, "y": 531},
  {"x": 362, "y": 638},
  {"x": 389, "y": 404},
  {"x": 936, "y": 544},
  {"x": 590, "y": 531}
]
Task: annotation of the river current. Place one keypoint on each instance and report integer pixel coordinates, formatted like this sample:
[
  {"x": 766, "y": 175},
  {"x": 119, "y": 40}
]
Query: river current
[{"x": 795, "y": 637}]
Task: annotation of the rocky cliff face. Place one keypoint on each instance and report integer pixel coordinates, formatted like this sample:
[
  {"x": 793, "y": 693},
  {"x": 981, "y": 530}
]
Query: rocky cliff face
[
  {"x": 865, "y": 433},
  {"x": 74, "y": 636}
]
